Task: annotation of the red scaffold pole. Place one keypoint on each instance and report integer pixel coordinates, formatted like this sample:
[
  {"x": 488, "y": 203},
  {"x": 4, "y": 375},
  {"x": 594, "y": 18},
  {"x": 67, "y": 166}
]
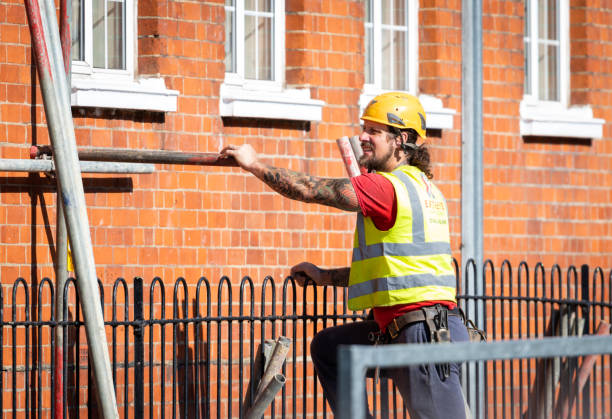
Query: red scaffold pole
[{"x": 56, "y": 99}]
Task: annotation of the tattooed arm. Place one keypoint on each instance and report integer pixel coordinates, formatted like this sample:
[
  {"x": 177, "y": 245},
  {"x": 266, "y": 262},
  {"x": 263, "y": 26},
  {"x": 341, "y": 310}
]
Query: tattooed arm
[
  {"x": 337, "y": 193},
  {"x": 333, "y": 192}
]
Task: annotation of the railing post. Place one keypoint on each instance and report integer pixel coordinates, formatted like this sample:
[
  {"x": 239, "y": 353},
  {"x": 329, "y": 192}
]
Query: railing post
[
  {"x": 351, "y": 383},
  {"x": 585, "y": 296},
  {"x": 138, "y": 350}
]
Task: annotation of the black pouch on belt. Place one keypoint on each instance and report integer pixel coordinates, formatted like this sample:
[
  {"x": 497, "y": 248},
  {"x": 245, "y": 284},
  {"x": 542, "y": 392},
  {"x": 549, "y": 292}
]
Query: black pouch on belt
[{"x": 436, "y": 319}]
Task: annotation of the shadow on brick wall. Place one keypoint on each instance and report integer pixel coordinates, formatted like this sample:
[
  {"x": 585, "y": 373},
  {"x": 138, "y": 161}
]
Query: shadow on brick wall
[{"x": 534, "y": 139}]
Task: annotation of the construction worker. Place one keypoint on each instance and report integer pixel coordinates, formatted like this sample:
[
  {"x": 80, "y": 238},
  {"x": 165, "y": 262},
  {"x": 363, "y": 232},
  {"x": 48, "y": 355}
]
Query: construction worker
[{"x": 401, "y": 266}]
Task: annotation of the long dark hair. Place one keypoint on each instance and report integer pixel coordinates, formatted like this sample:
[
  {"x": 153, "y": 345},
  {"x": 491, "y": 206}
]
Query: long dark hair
[{"x": 417, "y": 156}]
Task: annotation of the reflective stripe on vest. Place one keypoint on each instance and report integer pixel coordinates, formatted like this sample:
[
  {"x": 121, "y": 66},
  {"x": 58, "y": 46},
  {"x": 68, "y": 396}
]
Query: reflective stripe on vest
[
  {"x": 390, "y": 289},
  {"x": 401, "y": 282}
]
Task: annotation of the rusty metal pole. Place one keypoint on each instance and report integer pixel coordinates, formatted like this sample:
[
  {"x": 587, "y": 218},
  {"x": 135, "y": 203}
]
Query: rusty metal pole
[
  {"x": 143, "y": 156},
  {"x": 49, "y": 63}
]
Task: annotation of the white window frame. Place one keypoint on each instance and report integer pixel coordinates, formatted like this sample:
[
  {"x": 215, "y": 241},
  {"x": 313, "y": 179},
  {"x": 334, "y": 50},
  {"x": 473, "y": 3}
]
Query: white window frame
[
  {"x": 412, "y": 53},
  {"x": 242, "y": 97},
  {"x": 113, "y": 88},
  {"x": 555, "y": 118},
  {"x": 438, "y": 117},
  {"x": 278, "y": 44},
  {"x": 86, "y": 67},
  {"x": 563, "y": 58}
]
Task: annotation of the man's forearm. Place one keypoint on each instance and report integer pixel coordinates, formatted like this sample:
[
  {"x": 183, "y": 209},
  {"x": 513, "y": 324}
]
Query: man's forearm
[
  {"x": 336, "y": 277},
  {"x": 337, "y": 193}
]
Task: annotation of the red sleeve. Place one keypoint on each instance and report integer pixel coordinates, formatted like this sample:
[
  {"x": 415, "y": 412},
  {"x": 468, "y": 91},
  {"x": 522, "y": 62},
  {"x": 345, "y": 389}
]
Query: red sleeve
[{"x": 376, "y": 197}]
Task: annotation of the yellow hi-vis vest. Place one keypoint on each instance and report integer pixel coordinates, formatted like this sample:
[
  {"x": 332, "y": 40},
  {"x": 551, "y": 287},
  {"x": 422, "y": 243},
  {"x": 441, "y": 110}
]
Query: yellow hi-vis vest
[{"x": 411, "y": 262}]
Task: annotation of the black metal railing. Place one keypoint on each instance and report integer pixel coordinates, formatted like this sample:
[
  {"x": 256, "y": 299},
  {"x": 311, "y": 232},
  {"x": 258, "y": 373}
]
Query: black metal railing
[{"x": 191, "y": 354}]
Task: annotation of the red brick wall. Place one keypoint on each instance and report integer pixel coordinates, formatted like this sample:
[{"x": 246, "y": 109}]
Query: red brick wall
[
  {"x": 543, "y": 200},
  {"x": 546, "y": 200},
  {"x": 440, "y": 76}
]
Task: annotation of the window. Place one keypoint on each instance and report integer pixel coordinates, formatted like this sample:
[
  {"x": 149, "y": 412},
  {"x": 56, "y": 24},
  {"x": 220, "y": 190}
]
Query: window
[
  {"x": 254, "y": 41},
  {"x": 103, "y": 35},
  {"x": 391, "y": 44},
  {"x": 546, "y": 51},
  {"x": 254, "y": 84},
  {"x": 391, "y": 56},
  {"x": 545, "y": 109}
]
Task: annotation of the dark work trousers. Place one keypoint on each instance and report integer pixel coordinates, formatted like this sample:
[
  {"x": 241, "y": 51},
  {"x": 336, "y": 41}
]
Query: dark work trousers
[{"x": 425, "y": 393}]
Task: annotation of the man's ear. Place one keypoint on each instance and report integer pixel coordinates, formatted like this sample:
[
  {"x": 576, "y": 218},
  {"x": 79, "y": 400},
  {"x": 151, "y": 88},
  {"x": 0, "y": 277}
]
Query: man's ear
[{"x": 402, "y": 138}]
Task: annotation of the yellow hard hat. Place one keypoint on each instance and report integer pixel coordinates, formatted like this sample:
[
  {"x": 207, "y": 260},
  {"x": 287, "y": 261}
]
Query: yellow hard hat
[{"x": 397, "y": 109}]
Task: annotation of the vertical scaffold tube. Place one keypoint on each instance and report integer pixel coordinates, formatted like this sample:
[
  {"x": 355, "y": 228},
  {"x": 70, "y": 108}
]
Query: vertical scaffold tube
[
  {"x": 49, "y": 63},
  {"x": 61, "y": 234},
  {"x": 61, "y": 272}
]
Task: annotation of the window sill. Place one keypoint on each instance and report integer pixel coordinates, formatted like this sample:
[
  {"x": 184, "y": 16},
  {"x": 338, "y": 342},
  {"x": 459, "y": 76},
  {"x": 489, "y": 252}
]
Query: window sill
[
  {"x": 144, "y": 94},
  {"x": 438, "y": 117},
  {"x": 554, "y": 120},
  {"x": 293, "y": 104}
]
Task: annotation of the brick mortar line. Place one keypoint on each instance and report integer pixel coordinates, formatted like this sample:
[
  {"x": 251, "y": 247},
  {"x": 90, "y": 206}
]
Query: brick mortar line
[
  {"x": 557, "y": 187},
  {"x": 586, "y": 153}
]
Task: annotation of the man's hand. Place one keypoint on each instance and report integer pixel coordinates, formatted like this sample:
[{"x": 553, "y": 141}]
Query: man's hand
[
  {"x": 306, "y": 270},
  {"x": 245, "y": 155}
]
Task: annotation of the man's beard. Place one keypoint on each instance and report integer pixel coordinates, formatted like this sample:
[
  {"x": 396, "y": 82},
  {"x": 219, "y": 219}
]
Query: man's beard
[{"x": 373, "y": 163}]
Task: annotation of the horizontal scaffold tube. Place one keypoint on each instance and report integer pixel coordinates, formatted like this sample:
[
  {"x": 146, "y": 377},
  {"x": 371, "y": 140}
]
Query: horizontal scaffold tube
[
  {"x": 20, "y": 165},
  {"x": 143, "y": 156}
]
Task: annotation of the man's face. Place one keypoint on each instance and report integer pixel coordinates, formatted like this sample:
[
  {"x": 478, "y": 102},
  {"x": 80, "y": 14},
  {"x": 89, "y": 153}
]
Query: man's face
[{"x": 378, "y": 146}]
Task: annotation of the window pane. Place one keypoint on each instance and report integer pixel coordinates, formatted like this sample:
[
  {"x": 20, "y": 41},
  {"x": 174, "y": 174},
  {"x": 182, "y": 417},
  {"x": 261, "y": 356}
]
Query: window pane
[
  {"x": 527, "y": 80},
  {"x": 108, "y": 34},
  {"x": 394, "y": 45},
  {"x": 394, "y": 60},
  {"x": 369, "y": 43},
  {"x": 99, "y": 34},
  {"x": 399, "y": 12},
  {"x": 399, "y": 57},
  {"x": 528, "y": 18},
  {"x": 76, "y": 29},
  {"x": 552, "y": 20},
  {"x": 258, "y": 5},
  {"x": 264, "y": 46},
  {"x": 393, "y": 12},
  {"x": 387, "y": 60},
  {"x": 369, "y": 50},
  {"x": 230, "y": 41},
  {"x": 548, "y": 79},
  {"x": 250, "y": 47},
  {"x": 547, "y": 19},
  {"x": 527, "y": 49},
  {"x": 258, "y": 48},
  {"x": 386, "y": 10},
  {"x": 264, "y": 5},
  {"x": 115, "y": 30}
]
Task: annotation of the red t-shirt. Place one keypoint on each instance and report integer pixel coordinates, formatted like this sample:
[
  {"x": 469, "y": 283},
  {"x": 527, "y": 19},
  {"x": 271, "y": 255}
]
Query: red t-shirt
[{"x": 376, "y": 197}]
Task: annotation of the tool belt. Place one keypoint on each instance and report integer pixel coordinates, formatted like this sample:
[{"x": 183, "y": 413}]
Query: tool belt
[
  {"x": 436, "y": 321},
  {"x": 435, "y": 317}
]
